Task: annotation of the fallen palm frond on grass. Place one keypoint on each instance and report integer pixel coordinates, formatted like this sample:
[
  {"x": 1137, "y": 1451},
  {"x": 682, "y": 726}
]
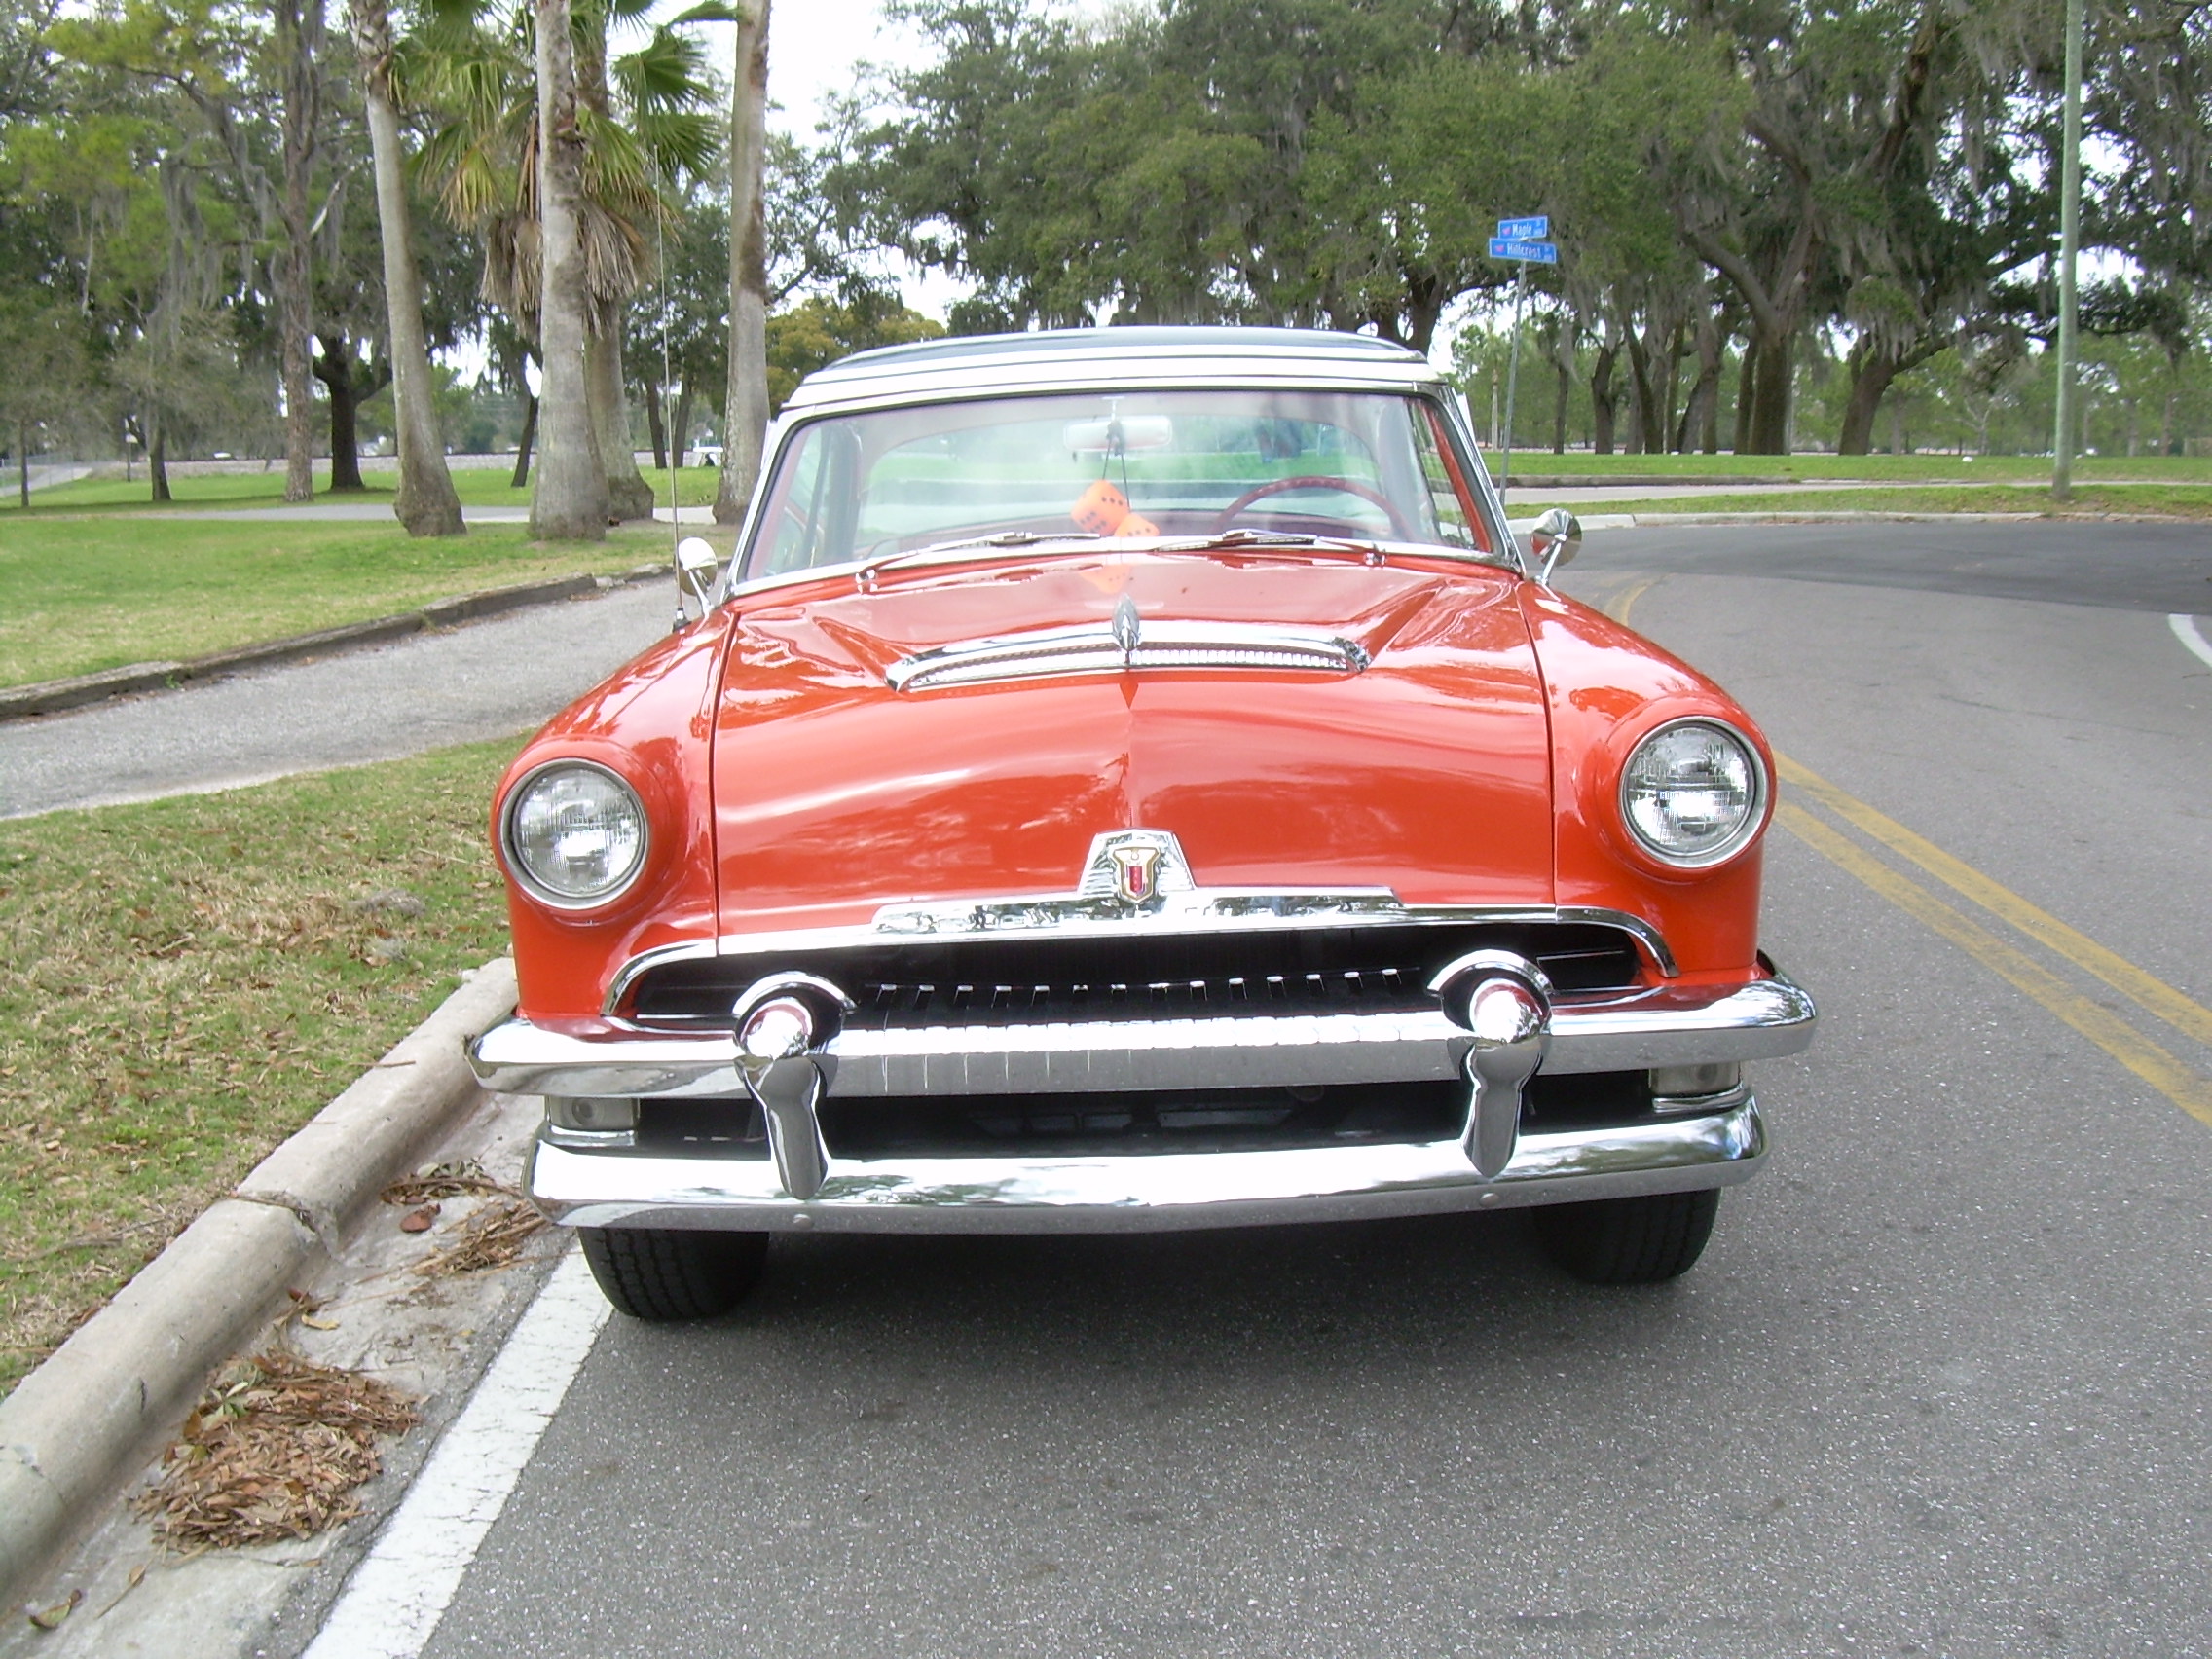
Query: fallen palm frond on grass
[
  {"x": 492, "y": 1237},
  {"x": 274, "y": 1450}
]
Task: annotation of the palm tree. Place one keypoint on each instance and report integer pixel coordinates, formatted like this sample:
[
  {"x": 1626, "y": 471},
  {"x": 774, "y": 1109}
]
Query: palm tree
[
  {"x": 569, "y": 503},
  {"x": 426, "y": 503},
  {"x": 746, "y": 410},
  {"x": 637, "y": 126}
]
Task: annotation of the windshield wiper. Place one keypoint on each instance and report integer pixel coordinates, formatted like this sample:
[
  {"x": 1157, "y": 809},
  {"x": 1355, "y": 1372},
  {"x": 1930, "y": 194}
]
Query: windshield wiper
[
  {"x": 1004, "y": 538},
  {"x": 1231, "y": 539}
]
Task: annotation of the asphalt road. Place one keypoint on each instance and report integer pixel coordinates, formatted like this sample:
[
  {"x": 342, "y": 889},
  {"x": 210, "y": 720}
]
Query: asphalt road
[
  {"x": 491, "y": 679},
  {"x": 1936, "y": 1389}
]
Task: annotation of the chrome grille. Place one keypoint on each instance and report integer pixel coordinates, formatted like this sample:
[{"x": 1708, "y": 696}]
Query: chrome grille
[{"x": 919, "y": 984}]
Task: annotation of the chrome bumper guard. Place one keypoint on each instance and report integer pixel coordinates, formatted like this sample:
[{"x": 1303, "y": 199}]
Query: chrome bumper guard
[{"x": 1498, "y": 1021}]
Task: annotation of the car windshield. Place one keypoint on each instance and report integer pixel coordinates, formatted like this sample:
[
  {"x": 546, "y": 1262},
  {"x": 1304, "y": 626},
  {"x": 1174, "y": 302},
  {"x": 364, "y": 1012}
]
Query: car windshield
[{"x": 1129, "y": 466}]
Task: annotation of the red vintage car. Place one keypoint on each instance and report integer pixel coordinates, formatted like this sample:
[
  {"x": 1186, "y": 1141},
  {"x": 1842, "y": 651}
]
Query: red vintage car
[{"x": 1133, "y": 779}]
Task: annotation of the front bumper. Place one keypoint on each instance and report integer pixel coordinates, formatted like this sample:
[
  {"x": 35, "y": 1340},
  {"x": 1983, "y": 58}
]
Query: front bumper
[
  {"x": 1491, "y": 1165},
  {"x": 1159, "y": 1193}
]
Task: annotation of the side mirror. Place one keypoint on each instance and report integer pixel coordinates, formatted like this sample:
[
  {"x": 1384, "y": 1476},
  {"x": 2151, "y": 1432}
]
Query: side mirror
[
  {"x": 695, "y": 567},
  {"x": 1554, "y": 540}
]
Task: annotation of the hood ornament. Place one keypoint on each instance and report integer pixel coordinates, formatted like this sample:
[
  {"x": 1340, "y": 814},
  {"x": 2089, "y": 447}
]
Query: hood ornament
[
  {"x": 1128, "y": 628},
  {"x": 1135, "y": 865}
]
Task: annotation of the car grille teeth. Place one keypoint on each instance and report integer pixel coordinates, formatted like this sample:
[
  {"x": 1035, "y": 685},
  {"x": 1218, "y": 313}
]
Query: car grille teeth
[{"x": 887, "y": 1005}]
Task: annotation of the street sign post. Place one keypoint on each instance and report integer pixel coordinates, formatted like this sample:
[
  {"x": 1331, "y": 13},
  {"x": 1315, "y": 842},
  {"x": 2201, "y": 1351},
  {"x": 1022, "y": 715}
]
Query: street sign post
[{"x": 1519, "y": 241}]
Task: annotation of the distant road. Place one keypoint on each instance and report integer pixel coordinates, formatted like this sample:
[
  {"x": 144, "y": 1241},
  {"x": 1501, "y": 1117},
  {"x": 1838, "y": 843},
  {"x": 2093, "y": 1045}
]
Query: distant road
[{"x": 489, "y": 679}]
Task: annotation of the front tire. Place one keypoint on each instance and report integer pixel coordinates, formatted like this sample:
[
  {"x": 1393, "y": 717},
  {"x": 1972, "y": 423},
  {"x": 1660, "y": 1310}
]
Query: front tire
[
  {"x": 1645, "y": 1241},
  {"x": 663, "y": 1274}
]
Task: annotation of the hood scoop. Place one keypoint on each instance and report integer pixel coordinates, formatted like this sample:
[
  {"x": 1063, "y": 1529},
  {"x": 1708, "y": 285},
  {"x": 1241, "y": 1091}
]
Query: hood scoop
[{"x": 1126, "y": 643}]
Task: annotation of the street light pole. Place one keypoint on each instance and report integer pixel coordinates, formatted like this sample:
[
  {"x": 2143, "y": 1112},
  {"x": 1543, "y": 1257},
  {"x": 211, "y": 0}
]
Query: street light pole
[{"x": 2069, "y": 252}]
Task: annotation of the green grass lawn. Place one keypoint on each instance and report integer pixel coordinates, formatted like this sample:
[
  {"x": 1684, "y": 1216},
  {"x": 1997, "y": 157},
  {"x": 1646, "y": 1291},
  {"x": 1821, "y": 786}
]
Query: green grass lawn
[
  {"x": 188, "y": 981},
  {"x": 86, "y": 591},
  {"x": 2179, "y": 501},
  {"x": 476, "y": 487},
  {"x": 2028, "y": 468}
]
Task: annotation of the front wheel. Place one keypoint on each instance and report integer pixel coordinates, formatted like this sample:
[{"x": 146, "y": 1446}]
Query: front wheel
[
  {"x": 662, "y": 1273},
  {"x": 1629, "y": 1240}
]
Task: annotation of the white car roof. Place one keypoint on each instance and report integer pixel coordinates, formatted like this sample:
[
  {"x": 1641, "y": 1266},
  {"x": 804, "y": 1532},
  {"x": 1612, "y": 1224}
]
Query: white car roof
[{"x": 1071, "y": 359}]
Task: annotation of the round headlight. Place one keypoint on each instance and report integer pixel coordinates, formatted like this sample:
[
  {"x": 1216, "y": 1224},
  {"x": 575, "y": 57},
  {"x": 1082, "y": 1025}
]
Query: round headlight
[
  {"x": 575, "y": 833},
  {"x": 1692, "y": 793}
]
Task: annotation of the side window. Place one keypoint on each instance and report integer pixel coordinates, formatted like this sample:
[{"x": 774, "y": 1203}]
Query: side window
[
  {"x": 1447, "y": 492},
  {"x": 793, "y": 529}
]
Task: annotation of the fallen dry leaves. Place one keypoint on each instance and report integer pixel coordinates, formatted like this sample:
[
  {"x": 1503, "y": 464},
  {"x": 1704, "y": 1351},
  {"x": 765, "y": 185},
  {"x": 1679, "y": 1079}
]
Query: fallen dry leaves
[
  {"x": 274, "y": 1450},
  {"x": 463, "y": 1177},
  {"x": 492, "y": 1237}
]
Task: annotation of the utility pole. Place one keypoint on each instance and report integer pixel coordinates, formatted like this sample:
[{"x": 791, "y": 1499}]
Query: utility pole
[
  {"x": 2069, "y": 254},
  {"x": 1512, "y": 380},
  {"x": 1520, "y": 240}
]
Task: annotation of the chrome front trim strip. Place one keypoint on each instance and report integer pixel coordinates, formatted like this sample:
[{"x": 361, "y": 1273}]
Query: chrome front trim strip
[
  {"x": 1163, "y": 1192},
  {"x": 1086, "y": 916},
  {"x": 1662, "y": 1027},
  {"x": 1100, "y": 648}
]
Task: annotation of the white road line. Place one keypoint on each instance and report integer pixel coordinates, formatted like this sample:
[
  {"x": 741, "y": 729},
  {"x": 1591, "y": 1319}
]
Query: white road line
[
  {"x": 394, "y": 1602},
  {"x": 2191, "y": 642}
]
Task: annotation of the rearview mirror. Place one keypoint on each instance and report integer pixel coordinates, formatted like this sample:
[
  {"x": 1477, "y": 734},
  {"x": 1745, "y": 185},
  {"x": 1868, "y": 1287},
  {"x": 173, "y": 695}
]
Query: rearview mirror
[
  {"x": 1554, "y": 540},
  {"x": 1118, "y": 435}
]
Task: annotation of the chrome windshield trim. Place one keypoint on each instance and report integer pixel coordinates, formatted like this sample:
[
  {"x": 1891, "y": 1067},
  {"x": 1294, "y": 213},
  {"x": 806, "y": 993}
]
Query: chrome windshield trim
[
  {"x": 1160, "y": 1192},
  {"x": 1098, "y": 647},
  {"x": 1663, "y": 1026},
  {"x": 1080, "y": 915}
]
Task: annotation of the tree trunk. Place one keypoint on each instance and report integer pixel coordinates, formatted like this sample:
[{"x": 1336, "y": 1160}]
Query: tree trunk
[
  {"x": 1565, "y": 372},
  {"x": 569, "y": 503},
  {"x": 158, "y": 460},
  {"x": 681, "y": 437},
  {"x": 23, "y": 465},
  {"x": 1700, "y": 408},
  {"x": 745, "y": 423},
  {"x": 1770, "y": 395},
  {"x": 1871, "y": 372},
  {"x": 1647, "y": 433},
  {"x": 1601, "y": 399},
  {"x": 1746, "y": 376},
  {"x": 426, "y": 503},
  {"x": 522, "y": 446},
  {"x": 1424, "y": 304},
  {"x": 2169, "y": 442},
  {"x": 655, "y": 426},
  {"x": 627, "y": 494},
  {"x": 299, "y": 44},
  {"x": 334, "y": 367}
]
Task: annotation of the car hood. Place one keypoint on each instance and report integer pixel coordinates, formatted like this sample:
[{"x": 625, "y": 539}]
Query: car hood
[{"x": 1427, "y": 772}]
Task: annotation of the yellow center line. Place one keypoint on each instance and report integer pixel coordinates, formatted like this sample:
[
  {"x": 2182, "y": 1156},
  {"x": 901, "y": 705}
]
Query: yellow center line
[
  {"x": 2156, "y": 1067},
  {"x": 1622, "y": 603},
  {"x": 2145, "y": 990}
]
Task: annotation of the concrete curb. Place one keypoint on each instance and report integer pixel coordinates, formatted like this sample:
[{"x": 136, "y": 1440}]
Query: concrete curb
[
  {"x": 1661, "y": 521},
  {"x": 91, "y": 1416},
  {"x": 51, "y": 696}
]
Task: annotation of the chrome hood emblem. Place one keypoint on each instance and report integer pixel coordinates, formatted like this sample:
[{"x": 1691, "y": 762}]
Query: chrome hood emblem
[
  {"x": 1128, "y": 628},
  {"x": 1135, "y": 865}
]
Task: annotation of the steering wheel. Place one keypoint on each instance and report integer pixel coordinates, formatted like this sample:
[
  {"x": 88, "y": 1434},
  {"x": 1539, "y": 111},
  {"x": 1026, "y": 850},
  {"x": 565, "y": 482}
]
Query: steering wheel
[{"x": 1350, "y": 486}]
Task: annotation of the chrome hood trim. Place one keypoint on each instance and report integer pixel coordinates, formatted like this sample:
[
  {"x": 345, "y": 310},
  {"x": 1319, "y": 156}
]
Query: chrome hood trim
[{"x": 1126, "y": 645}]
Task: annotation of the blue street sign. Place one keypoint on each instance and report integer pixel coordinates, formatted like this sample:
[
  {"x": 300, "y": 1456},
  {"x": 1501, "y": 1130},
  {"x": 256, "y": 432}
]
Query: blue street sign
[
  {"x": 1525, "y": 230},
  {"x": 1530, "y": 252}
]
